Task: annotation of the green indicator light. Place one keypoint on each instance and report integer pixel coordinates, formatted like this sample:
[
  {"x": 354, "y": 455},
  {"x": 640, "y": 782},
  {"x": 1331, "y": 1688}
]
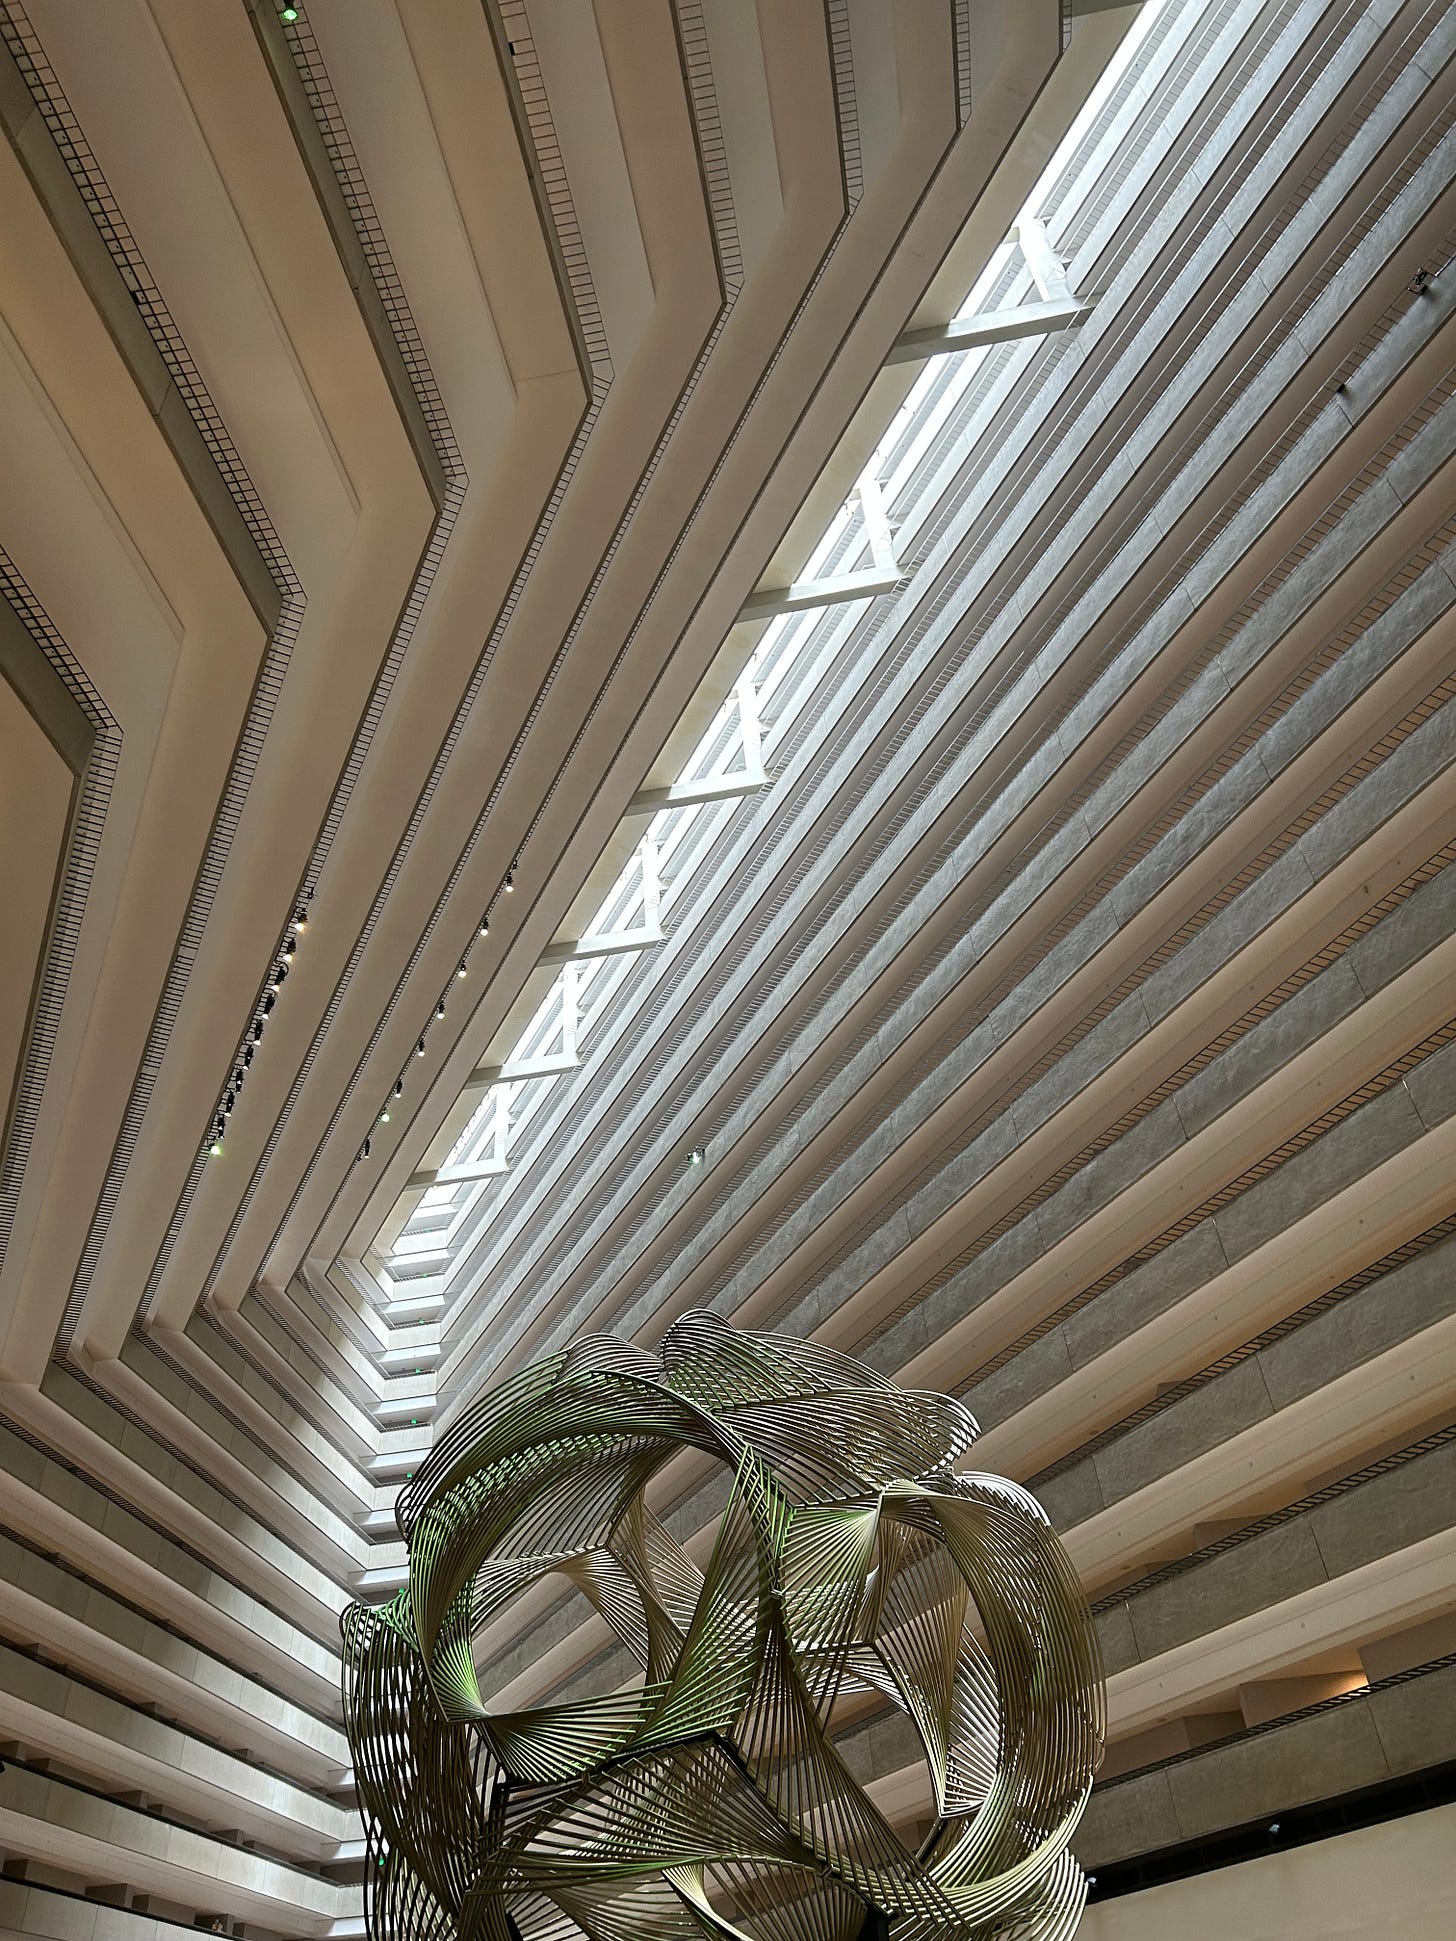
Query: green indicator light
[
  {"x": 216, "y": 1149},
  {"x": 291, "y": 14}
]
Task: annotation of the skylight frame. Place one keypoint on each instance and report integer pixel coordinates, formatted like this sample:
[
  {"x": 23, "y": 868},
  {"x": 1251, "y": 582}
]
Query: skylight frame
[{"x": 790, "y": 646}]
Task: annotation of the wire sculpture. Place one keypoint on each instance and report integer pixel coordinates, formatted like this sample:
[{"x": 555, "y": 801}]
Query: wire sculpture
[{"x": 711, "y": 1794}]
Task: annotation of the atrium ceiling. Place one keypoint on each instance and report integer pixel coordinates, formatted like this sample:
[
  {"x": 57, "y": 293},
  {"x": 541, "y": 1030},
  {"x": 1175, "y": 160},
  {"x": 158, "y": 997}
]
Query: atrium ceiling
[{"x": 794, "y": 658}]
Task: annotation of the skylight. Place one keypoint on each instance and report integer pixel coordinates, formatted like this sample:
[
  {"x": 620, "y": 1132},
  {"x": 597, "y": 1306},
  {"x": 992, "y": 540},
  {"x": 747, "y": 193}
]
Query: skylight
[{"x": 784, "y": 674}]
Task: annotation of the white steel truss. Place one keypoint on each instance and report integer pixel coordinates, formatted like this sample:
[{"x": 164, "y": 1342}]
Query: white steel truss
[
  {"x": 1059, "y": 308},
  {"x": 882, "y": 576}
]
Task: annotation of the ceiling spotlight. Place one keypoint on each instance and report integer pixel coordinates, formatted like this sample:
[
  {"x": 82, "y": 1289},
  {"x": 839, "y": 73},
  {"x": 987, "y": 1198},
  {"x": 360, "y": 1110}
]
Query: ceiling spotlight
[
  {"x": 463, "y": 970},
  {"x": 290, "y": 947},
  {"x": 229, "y": 1102},
  {"x": 238, "y": 1076},
  {"x": 364, "y": 1150},
  {"x": 695, "y": 1157},
  {"x": 300, "y": 920},
  {"x": 510, "y": 882},
  {"x": 384, "y": 1116},
  {"x": 247, "y": 1054},
  {"x": 1273, "y": 1826},
  {"x": 257, "y": 1029},
  {"x": 420, "y": 1049},
  {"x": 216, "y": 1149},
  {"x": 275, "y": 982},
  {"x": 268, "y": 1003},
  {"x": 440, "y": 1009},
  {"x": 399, "y": 1088}
]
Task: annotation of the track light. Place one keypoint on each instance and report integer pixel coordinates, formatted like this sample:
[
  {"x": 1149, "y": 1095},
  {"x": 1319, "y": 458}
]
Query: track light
[
  {"x": 300, "y": 920},
  {"x": 247, "y": 1054},
  {"x": 384, "y": 1116},
  {"x": 275, "y": 982},
  {"x": 440, "y": 1009},
  {"x": 229, "y": 1102},
  {"x": 420, "y": 1049},
  {"x": 399, "y": 1088},
  {"x": 364, "y": 1151},
  {"x": 257, "y": 1029},
  {"x": 485, "y": 926},
  {"x": 510, "y": 882},
  {"x": 268, "y": 1003},
  {"x": 290, "y": 947},
  {"x": 463, "y": 970}
]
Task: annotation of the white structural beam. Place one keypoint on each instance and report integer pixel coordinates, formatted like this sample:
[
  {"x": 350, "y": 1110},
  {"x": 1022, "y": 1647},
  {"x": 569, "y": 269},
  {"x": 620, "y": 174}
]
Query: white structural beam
[
  {"x": 877, "y": 525},
  {"x": 459, "y": 1175},
  {"x": 1058, "y": 307},
  {"x": 488, "y": 1166},
  {"x": 607, "y": 943},
  {"x": 716, "y": 788},
  {"x": 992, "y": 327},
  {"x": 1048, "y": 271},
  {"x": 612, "y": 943},
  {"x": 771, "y": 601},
  {"x": 569, "y": 955},
  {"x": 682, "y": 795},
  {"x": 882, "y": 576}
]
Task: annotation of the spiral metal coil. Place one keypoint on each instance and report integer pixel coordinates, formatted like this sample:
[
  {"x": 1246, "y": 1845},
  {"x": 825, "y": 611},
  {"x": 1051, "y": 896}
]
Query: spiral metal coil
[{"x": 852, "y": 1566}]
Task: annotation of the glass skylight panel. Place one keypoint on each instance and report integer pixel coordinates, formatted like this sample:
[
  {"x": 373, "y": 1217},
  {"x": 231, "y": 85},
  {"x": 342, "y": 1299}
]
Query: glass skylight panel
[{"x": 950, "y": 403}]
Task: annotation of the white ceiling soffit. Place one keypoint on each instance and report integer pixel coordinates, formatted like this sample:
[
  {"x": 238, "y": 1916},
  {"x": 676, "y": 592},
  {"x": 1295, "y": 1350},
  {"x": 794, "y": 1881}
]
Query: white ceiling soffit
[{"x": 439, "y": 443}]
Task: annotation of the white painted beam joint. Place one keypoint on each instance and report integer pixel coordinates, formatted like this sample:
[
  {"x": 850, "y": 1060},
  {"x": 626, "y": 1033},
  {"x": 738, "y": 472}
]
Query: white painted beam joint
[{"x": 992, "y": 327}]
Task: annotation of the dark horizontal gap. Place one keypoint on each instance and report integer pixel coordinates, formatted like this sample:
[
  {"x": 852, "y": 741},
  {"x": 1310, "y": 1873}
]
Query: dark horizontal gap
[{"x": 1299, "y": 1826}]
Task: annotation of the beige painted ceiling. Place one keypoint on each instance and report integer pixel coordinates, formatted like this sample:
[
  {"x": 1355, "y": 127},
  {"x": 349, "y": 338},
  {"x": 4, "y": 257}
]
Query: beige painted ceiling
[{"x": 417, "y": 414}]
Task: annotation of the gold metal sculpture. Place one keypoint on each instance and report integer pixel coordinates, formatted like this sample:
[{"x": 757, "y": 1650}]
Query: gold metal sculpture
[{"x": 852, "y": 1566}]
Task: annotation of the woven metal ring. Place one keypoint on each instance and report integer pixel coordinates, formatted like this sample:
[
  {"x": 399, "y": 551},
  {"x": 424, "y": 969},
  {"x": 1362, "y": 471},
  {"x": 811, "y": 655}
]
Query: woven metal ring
[{"x": 716, "y": 1789}]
